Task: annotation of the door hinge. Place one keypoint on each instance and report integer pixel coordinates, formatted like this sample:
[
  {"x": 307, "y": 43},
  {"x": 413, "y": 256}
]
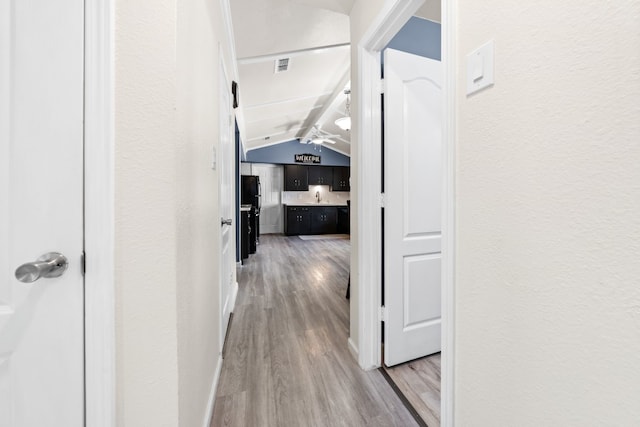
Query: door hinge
[
  {"x": 383, "y": 315},
  {"x": 83, "y": 263},
  {"x": 382, "y": 86},
  {"x": 382, "y": 200}
]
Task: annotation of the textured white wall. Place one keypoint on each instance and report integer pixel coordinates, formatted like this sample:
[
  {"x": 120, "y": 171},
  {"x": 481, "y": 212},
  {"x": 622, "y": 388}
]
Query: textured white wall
[
  {"x": 166, "y": 199},
  {"x": 145, "y": 191},
  {"x": 548, "y": 202},
  {"x": 198, "y": 226}
]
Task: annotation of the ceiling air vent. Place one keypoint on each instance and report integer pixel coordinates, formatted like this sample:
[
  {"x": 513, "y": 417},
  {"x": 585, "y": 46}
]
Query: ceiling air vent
[{"x": 281, "y": 65}]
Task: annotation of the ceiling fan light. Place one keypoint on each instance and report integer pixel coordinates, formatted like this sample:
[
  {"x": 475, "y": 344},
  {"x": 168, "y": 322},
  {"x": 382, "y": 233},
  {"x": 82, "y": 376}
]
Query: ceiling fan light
[{"x": 344, "y": 123}]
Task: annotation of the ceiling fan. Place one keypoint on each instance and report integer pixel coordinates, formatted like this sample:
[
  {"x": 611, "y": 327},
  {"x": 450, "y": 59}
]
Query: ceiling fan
[{"x": 318, "y": 136}]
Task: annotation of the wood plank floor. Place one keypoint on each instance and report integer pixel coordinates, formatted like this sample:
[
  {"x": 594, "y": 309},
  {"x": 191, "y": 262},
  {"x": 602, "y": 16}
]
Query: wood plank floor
[
  {"x": 286, "y": 361},
  {"x": 419, "y": 382}
]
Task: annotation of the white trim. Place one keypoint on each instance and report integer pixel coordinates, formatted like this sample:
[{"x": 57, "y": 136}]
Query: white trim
[
  {"x": 448, "y": 31},
  {"x": 223, "y": 85},
  {"x": 212, "y": 393},
  {"x": 382, "y": 30},
  {"x": 369, "y": 221},
  {"x": 100, "y": 365},
  {"x": 232, "y": 299},
  {"x": 353, "y": 348},
  {"x": 393, "y": 16},
  {"x": 230, "y": 42}
]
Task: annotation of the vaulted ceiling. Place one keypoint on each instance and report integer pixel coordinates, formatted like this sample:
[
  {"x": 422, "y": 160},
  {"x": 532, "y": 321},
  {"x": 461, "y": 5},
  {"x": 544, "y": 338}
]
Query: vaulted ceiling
[{"x": 314, "y": 36}]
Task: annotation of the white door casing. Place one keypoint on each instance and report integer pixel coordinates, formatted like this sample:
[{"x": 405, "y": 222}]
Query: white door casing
[
  {"x": 226, "y": 202},
  {"x": 41, "y": 210},
  {"x": 412, "y": 215},
  {"x": 271, "y": 212}
]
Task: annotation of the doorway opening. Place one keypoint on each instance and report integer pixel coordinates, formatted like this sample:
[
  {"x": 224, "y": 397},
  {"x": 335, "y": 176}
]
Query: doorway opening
[
  {"x": 373, "y": 302},
  {"x": 411, "y": 226}
]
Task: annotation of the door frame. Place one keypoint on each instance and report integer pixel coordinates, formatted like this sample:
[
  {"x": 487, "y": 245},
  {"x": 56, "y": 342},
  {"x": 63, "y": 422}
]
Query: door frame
[
  {"x": 390, "y": 20},
  {"x": 100, "y": 342},
  {"x": 223, "y": 83}
]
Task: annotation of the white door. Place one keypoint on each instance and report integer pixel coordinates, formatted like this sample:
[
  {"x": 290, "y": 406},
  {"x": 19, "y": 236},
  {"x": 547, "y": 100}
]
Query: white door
[
  {"x": 413, "y": 177},
  {"x": 271, "y": 211},
  {"x": 226, "y": 202},
  {"x": 41, "y": 198}
]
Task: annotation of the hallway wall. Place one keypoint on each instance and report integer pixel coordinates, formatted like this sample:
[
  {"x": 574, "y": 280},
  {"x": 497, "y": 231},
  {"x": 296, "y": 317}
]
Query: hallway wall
[
  {"x": 166, "y": 206},
  {"x": 145, "y": 213},
  {"x": 548, "y": 195},
  {"x": 200, "y": 41}
]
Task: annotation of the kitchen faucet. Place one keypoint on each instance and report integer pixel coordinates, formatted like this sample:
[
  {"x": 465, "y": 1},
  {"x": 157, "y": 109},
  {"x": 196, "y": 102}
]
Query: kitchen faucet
[{"x": 318, "y": 196}]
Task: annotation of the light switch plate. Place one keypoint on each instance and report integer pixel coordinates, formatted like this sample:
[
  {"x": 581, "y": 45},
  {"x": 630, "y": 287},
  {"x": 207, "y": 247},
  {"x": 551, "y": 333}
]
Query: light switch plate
[{"x": 480, "y": 68}]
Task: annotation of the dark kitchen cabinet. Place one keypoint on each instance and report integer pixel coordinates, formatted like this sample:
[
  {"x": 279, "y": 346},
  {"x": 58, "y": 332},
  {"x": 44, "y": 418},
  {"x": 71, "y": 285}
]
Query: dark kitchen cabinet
[
  {"x": 343, "y": 220},
  {"x": 320, "y": 175},
  {"x": 245, "y": 233},
  {"x": 297, "y": 220},
  {"x": 324, "y": 219},
  {"x": 311, "y": 220},
  {"x": 296, "y": 178},
  {"x": 341, "y": 178}
]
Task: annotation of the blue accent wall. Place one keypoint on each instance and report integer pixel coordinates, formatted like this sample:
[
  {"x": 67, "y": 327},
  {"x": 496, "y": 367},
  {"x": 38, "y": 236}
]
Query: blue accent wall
[
  {"x": 419, "y": 37},
  {"x": 283, "y": 154}
]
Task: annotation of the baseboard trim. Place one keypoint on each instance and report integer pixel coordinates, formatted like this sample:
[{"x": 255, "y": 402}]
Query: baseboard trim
[
  {"x": 234, "y": 295},
  {"x": 212, "y": 394},
  {"x": 353, "y": 349}
]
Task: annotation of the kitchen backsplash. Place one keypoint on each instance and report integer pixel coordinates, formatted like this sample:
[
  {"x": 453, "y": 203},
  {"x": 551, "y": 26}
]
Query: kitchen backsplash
[{"x": 305, "y": 197}]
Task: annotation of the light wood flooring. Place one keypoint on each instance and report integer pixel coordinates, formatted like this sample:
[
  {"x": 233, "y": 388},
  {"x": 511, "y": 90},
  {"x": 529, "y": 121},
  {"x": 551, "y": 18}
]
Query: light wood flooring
[
  {"x": 419, "y": 382},
  {"x": 286, "y": 360}
]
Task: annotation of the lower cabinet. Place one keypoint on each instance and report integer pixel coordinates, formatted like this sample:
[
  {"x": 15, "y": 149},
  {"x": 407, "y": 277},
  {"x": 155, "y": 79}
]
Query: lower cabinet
[
  {"x": 343, "y": 220},
  {"x": 324, "y": 220},
  {"x": 311, "y": 220},
  {"x": 245, "y": 233},
  {"x": 297, "y": 220}
]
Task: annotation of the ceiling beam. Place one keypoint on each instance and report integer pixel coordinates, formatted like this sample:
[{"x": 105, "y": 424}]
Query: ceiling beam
[
  {"x": 286, "y": 101},
  {"x": 262, "y": 138},
  {"x": 321, "y": 116},
  {"x": 270, "y": 143},
  {"x": 290, "y": 54}
]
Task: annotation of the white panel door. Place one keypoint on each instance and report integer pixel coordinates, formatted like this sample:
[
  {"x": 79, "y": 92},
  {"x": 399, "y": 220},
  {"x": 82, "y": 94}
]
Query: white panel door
[
  {"x": 41, "y": 203},
  {"x": 272, "y": 184},
  {"x": 226, "y": 201},
  {"x": 413, "y": 177}
]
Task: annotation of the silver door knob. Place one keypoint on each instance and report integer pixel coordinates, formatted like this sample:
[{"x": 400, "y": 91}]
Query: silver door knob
[
  {"x": 225, "y": 221},
  {"x": 48, "y": 266}
]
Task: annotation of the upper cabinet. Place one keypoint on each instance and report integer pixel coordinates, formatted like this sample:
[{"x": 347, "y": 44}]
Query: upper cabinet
[
  {"x": 320, "y": 175},
  {"x": 341, "y": 178},
  {"x": 299, "y": 177},
  {"x": 296, "y": 178}
]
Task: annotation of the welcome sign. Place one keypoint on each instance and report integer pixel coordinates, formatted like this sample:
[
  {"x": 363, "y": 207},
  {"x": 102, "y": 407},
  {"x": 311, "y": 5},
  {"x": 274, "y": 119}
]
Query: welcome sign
[{"x": 306, "y": 158}]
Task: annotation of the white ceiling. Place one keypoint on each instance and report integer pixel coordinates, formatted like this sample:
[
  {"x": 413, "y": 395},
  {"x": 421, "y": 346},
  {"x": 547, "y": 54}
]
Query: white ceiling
[{"x": 314, "y": 34}]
